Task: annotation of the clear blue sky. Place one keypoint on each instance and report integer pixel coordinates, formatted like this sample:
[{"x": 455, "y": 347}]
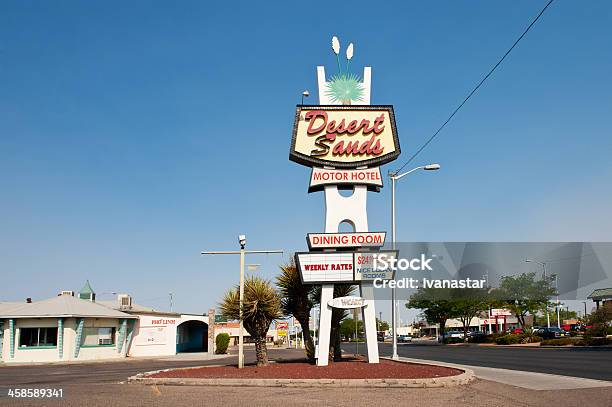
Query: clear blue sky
[{"x": 133, "y": 135}]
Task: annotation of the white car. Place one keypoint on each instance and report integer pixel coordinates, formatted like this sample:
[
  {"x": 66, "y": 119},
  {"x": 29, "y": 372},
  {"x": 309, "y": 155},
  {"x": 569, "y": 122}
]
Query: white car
[{"x": 404, "y": 338}]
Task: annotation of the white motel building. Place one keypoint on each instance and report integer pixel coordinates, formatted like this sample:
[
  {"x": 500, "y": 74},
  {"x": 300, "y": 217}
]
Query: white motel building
[{"x": 70, "y": 328}]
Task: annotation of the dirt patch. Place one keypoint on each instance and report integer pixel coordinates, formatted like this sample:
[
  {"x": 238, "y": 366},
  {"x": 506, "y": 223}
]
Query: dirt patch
[{"x": 345, "y": 369}]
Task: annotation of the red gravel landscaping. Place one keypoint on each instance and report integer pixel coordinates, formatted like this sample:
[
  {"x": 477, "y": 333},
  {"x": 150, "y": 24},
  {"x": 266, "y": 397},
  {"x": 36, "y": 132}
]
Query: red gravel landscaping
[{"x": 346, "y": 369}]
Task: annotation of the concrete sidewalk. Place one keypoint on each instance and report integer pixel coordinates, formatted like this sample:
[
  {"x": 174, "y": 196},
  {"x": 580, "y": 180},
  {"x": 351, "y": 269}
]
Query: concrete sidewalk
[{"x": 526, "y": 380}]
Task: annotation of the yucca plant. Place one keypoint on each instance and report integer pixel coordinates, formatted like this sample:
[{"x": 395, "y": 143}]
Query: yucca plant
[
  {"x": 344, "y": 86},
  {"x": 296, "y": 300},
  {"x": 261, "y": 305}
]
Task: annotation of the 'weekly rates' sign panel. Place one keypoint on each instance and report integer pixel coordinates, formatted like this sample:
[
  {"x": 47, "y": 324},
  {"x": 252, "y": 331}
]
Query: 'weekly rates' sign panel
[{"x": 344, "y": 267}]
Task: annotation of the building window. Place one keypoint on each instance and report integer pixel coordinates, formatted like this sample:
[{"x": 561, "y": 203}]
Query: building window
[
  {"x": 98, "y": 337},
  {"x": 37, "y": 337}
]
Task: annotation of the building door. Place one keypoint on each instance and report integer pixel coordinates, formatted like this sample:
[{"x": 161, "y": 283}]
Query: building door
[{"x": 192, "y": 336}]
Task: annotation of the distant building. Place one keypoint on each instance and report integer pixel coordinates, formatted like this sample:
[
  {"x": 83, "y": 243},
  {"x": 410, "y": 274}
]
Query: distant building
[
  {"x": 233, "y": 330},
  {"x": 501, "y": 320},
  {"x": 69, "y": 327},
  {"x": 601, "y": 295},
  {"x": 63, "y": 328}
]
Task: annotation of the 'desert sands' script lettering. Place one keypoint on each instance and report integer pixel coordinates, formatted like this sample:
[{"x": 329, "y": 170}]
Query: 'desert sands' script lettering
[{"x": 330, "y": 131}]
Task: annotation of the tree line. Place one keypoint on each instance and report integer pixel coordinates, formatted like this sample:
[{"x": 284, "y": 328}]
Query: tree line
[
  {"x": 264, "y": 302},
  {"x": 523, "y": 295}
]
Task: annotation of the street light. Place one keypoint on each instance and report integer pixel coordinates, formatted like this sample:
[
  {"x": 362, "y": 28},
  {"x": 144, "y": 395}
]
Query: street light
[
  {"x": 242, "y": 252},
  {"x": 557, "y": 306},
  {"x": 305, "y": 94},
  {"x": 394, "y": 177},
  {"x": 543, "y": 264}
]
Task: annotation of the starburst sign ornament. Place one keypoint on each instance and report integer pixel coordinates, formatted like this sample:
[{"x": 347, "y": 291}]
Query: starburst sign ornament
[{"x": 344, "y": 87}]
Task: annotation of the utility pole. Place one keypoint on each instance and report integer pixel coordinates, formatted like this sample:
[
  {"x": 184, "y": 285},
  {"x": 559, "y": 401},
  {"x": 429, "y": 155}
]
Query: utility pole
[
  {"x": 543, "y": 264},
  {"x": 242, "y": 252},
  {"x": 557, "y": 306}
]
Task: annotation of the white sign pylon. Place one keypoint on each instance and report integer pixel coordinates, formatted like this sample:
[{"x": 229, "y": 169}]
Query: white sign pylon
[{"x": 353, "y": 210}]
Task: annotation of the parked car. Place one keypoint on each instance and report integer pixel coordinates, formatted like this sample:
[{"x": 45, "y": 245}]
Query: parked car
[
  {"x": 515, "y": 331},
  {"x": 569, "y": 328},
  {"x": 454, "y": 334},
  {"x": 476, "y": 334},
  {"x": 551, "y": 333},
  {"x": 404, "y": 338},
  {"x": 450, "y": 334}
]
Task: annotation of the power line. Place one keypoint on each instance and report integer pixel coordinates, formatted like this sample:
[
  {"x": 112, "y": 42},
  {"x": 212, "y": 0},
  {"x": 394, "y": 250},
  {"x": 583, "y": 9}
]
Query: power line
[{"x": 535, "y": 20}]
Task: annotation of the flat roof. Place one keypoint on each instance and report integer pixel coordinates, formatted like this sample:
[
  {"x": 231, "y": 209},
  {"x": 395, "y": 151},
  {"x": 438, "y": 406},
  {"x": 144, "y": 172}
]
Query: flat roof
[
  {"x": 601, "y": 294},
  {"x": 136, "y": 309},
  {"x": 61, "y": 306}
]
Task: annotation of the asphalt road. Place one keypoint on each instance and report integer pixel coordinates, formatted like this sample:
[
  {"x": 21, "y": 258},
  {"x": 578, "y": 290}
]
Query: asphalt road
[
  {"x": 96, "y": 384},
  {"x": 592, "y": 363},
  {"x": 107, "y": 372}
]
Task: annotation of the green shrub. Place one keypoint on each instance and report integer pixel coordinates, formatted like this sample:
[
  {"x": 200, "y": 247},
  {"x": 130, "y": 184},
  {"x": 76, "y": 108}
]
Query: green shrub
[
  {"x": 222, "y": 342},
  {"x": 481, "y": 339},
  {"x": 509, "y": 339},
  {"x": 558, "y": 342},
  {"x": 453, "y": 340},
  {"x": 529, "y": 338},
  {"x": 593, "y": 342}
]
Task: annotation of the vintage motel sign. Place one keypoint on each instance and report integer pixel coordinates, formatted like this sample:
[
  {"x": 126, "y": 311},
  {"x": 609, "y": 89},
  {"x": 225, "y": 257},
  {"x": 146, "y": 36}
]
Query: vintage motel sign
[{"x": 344, "y": 139}]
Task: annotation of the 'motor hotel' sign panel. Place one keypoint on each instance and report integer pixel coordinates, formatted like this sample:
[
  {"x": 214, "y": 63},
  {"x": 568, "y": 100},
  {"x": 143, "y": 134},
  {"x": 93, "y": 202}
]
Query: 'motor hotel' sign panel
[{"x": 344, "y": 136}]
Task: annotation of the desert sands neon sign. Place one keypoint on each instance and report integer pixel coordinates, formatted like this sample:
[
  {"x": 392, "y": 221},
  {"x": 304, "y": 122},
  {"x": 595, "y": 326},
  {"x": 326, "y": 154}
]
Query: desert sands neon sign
[
  {"x": 344, "y": 136},
  {"x": 329, "y": 131}
]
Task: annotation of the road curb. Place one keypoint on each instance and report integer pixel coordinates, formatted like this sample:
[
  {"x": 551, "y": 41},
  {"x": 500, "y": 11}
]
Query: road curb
[{"x": 449, "y": 381}]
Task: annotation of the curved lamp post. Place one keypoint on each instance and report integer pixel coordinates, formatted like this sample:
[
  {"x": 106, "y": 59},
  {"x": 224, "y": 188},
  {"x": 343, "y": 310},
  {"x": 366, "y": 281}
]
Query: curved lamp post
[{"x": 394, "y": 177}]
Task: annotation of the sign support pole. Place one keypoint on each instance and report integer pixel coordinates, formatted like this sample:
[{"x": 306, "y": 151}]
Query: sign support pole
[
  {"x": 325, "y": 317},
  {"x": 368, "y": 314}
]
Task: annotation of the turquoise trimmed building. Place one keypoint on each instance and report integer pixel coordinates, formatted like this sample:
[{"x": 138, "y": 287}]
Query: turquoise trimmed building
[
  {"x": 64, "y": 328},
  {"x": 75, "y": 328}
]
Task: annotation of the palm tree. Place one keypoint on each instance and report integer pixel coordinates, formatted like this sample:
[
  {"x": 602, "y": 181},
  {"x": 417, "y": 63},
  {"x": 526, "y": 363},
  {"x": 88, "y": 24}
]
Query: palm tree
[
  {"x": 261, "y": 306},
  {"x": 338, "y": 314},
  {"x": 297, "y": 300}
]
